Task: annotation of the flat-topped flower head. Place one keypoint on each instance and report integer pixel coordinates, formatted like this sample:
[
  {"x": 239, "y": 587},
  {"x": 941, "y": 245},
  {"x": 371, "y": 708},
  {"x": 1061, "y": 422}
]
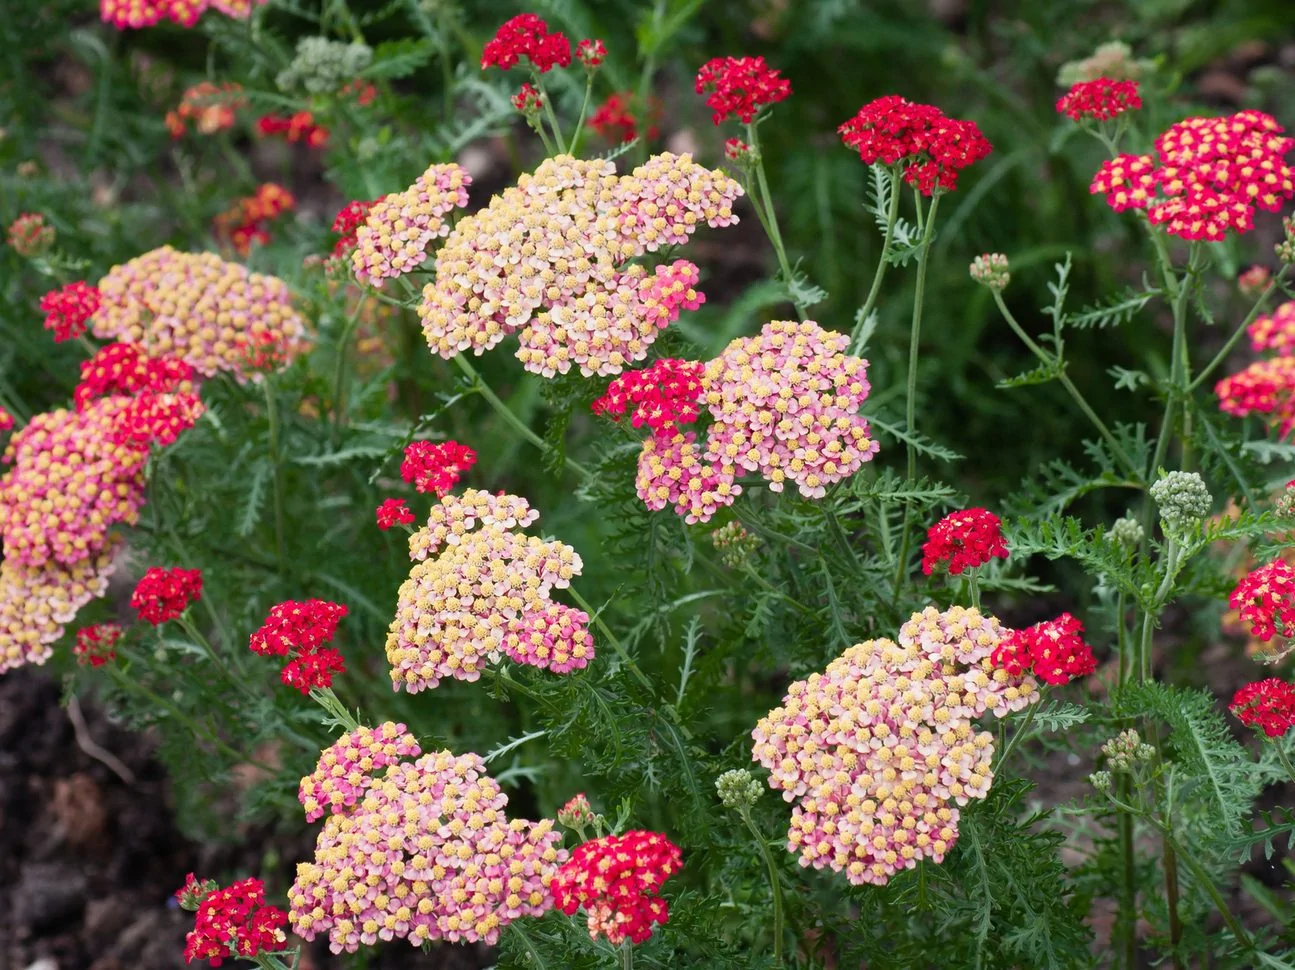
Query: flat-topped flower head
[
  {"x": 163, "y": 595},
  {"x": 71, "y": 478},
  {"x": 123, "y": 369},
  {"x": 1099, "y": 100},
  {"x": 1265, "y": 599},
  {"x": 561, "y": 242},
  {"x": 1053, "y": 651},
  {"x": 200, "y": 308},
  {"x": 398, "y": 227},
  {"x": 662, "y": 396},
  {"x": 879, "y": 751},
  {"x": 436, "y": 467},
  {"x": 244, "y": 223},
  {"x": 68, "y": 308},
  {"x": 1266, "y": 704},
  {"x": 482, "y": 589},
  {"x": 235, "y": 922},
  {"x": 739, "y": 87},
  {"x": 37, "y": 602},
  {"x": 1266, "y": 387},
  {"x": 299, "y": 631},
  {"x": 963, "y": 540},
  {"x": 427, "y": 853},
  {"x": 1276, "y": 330},
  {"x": 527, "y": 37},
  {"x": 933, "y": 147},
  {"x": 346, "y": 768},
  {"x": 96, "y": 645},
  {"x": 617, "y": 880}
]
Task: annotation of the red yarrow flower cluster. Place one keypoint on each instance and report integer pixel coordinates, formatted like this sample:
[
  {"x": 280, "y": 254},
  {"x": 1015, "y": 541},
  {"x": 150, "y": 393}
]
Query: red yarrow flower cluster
[
  {"x": 662, "y": 396},
  {"x": 616, "y": 880},
  {"x": 1266, "y": 704},
  {"x": 615, "y": 120},
  {"x": 210, "y": 107},
  {"x": 1210, "y": 174},
  {"x": 233, "y": 922},
  {"x": 299, "y": 127},
  {"x": 164, "y": 594},
  {"x": 244, "y": 222},
  {"x": 1099, "y": 100},
  {"x": 68, "y": 309},
  {"x": 6, "y": 420},
  {"x": 347, "y": 222},
  {"x": 95, "y": 644},
  {"x": 120, "y": 368},
  {"x": 740, "y": 87},
  {"x": 963, "y": 540},
  {"x": 393, "y": 511},
  {"x": 433, "y": 467},
  {"x": 1265, "y": 387},
  {"x": 1265, "y": 599},
  {"x": 527, "y": 37},
  {"x": 300, "y": 630},
  {"x": 1054, "y": 651},
  {"x": 933, "y": 146},
  {"x": 591, "y": 53}
]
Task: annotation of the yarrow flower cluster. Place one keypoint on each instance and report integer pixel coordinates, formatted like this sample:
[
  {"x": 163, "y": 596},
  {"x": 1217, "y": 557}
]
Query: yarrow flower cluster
[
  {"x": 428, "y": 853},
  {"x": 1265, "y": 600},
  {"x": 617, "y": 880},
  {"x": 1099, "y": 100},
  {"x": 963, "y": 540},
  {"x": 1266, "y": 704},
  {"x": 232, "y": 922},
  {"x": 196, "y": 306},
  {"x": 209, "y": 107},
  {"x": 1253, "y": 281},
  {"x": 879, "y": 750},
  {"x": 481, "y": 588},
  {"x": 739, "y": 87},
  {"x": 1183, "y": 499},
  {"x": 932, "y": 147},
  {"x": 527, "y": 37},
  {"x": 562, "y": 239},
  {"x": 663, "y": 395},
  {"x": 345, "y": 769},
  {"x": 299, "y": 631},
  {"x": 393, "y": 511},
  {"x": 68, "y": 308},
  {"x": 1266, "y": 387},
  {"x": 1210, "y": 173},
  {"x": 436, "y": 466},
  {"x": 398, "y": 227},
  {"x": 95, "y": 644},
  {"x": 617, "y": 120},
  {"x": 577, "y": 813},
  {"x": 163, "y": 595},
  {"x": 591, "y": 52},
  {"x": 529, "y": 101},
  {"x": 346, "y": 224},
  {"x": 1054, "y": 651},
  {"x": 30, "y": 235},
  {"x": 1276, "y": 330},
  {"x": 243, "y": 223},
  {"x": 135, "y": 14},
  {"x": 297, "y": 127}
]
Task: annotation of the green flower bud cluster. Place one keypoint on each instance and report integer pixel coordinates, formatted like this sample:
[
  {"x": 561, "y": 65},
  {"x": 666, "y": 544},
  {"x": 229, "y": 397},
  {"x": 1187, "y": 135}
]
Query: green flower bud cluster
[
  {"x": 735, "y": 544},
  {"x": 1126, "y": 750},
  {"x": 737, "y": 789},
  {"x": 323, "y": 66},
  {"x": 1183, "y": 499},
  {"x": 1126, "y": 532}
]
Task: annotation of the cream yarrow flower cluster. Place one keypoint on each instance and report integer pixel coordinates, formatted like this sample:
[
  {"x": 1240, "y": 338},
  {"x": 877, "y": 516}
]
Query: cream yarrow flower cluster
[
  {"x": 481, "y": 589},
  {"x": 429, "y": 853},
  {"x": 393, "y": 239},
  {"x": 345, "y": 768},
  {"x": 560, "y": 243},
  {"x": 880, "y": 749},
  {"x": 212, "y": 314}
]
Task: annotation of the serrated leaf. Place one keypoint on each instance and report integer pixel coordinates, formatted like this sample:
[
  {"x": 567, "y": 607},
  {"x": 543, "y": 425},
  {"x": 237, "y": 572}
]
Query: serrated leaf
[
  {"x": 1115, "y": 310},
  {"x": 923, "y": 444},
  {"x": 344, "y": 455},
  {"x": 254, "y": 499},
  {"x": 1267, "y": 452},
  {"x": 1043, "y": 374},
  {"x": 1058, "y": 716},
  {"x": 1128, "y": 380}
]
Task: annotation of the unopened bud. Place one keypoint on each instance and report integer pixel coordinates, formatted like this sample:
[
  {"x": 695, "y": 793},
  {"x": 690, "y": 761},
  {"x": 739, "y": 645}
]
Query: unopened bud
[
  {"x": 1183, "y": 499},
  {"x": 737, "y": 789},
  {"x": 991, "y": 270}
]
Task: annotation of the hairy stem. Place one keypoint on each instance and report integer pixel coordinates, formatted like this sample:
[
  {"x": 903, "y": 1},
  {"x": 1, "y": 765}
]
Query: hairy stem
[
  {"x": 774, "y": 883},
  {"x": 516, "y": 423},
  {"x": 627, "y": 955},
  {"x": 892, "y": 216},
  {"x": 195, "y": 634},
  {"x": 584, "y": 110},
  {"x": 1239, "y": 332},
  {"x": 1017, "y": 736},
  {"x": 1126, "y": 915},
  {"x": 611, "y": 638},
  {"x": 770, "y": 221}
]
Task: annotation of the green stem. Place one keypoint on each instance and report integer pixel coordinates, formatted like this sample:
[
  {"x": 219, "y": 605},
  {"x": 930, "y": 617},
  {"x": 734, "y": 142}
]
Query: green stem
[
  {"x": 645, "y": 78},
  {"x": 1206, "y": 883},
  {"x": 1126, "y": 916},
  {"x": 1017, "y": 736},
  {"x": 339, "y": 368},
  {"x": 883, "y": 263},
  {"x": 774, "y": 883},
  {"x": 1153, "y": 610},
  {"x": 627, "y": 955},
  {"x": 196, "y": 635},
  {"x": 1171, "y": 898},
  {"x": 272, "y": 415},
  {"x": 516, "y": 423},
  {"x": 1048, "y": 360},
  {"x": 584, "y": 110},
  {"x": 973, "y": 588},
  {"x": 910, "y": 408},
  {"x": 770, "y": 220},
  {"x": 611, "y": 638},
  {"x": 1284, "y": 758},
  {"x": 550, "y": 114},
  {"x": 1239, "y": 332},
  {"x": 328, "y": 700}
]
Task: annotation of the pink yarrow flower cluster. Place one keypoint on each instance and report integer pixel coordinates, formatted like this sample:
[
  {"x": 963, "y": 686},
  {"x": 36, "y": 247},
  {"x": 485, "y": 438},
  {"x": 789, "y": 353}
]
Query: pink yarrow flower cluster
[
  {"x": 739, "y": 87},
  {"x": 1099, "y": 100},
  {"x": 234, "y": 922},
  {"x": 480, "y": 589},
  {"x": 398, "y": 227},
  {"x": 345, "y": 769},
  {"x": 162, "y": 595},
  {"x": 617, "y": 880},
  {"x": 880, "y": 750},
  {"x": 1207, "y": 177},
  {"x": 428, "y": 853},
  {"x": 436, "y": 467},
  {"x": 68, "y": 309},
  {"x": 135, "y": 14},
  {"x": 963, "y": 540},
  {"x": 1054, "y": 651},
  {"x": 561, "y": 242},
  {"x": 932, "y": 147},
  {"x": 300, "y": 631}
]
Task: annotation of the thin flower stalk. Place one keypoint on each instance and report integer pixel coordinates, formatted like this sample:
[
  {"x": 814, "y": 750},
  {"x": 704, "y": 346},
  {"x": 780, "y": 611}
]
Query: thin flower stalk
[{"x": 883, "y": 262}]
